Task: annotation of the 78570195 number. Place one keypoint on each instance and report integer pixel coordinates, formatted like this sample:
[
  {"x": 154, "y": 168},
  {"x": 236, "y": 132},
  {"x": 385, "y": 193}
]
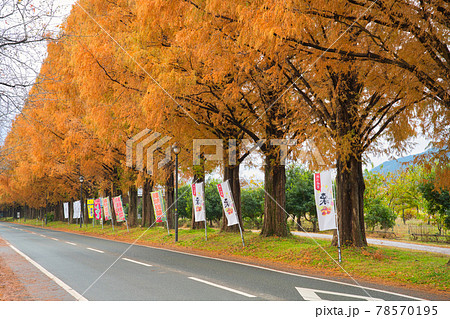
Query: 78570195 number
[{"x": 410, "y": 310}]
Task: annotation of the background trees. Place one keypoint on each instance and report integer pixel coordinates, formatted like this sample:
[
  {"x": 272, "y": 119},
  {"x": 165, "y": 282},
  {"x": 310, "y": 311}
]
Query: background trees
[
  {"x": 437, "y": 201},
  {"x": 300, "y": 200},
  {"x": 24, "y": 29}
]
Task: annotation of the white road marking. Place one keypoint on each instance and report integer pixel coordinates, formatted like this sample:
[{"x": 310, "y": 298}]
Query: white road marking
[
  {"x": 54, "y": 238},
  {"x": 58, "y": 281},
  {"x": 73, "y": 244},
  {"x": 137, "y": 262},
  {"x": 311, "y": 295},
  {"x": 223, "y": 287},
  {"x": 43, "y": 236},
  {"x": 96, "y": 250}
]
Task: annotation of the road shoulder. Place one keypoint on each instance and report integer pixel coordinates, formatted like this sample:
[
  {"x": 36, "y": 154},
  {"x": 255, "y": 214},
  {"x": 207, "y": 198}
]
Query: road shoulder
[{"x": 21, "y": 281}]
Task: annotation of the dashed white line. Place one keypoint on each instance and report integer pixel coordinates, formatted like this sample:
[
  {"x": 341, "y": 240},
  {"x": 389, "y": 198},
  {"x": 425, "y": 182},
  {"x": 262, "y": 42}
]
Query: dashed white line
[
  {"x": 43, "y": 236},
  {"x": 73, "y": 244},
  {"x": 223, "y": 287},
  {"x": 96, "y": 250},
  {"x": 137, "y": 262},
  {"x": 56, "y": 239}
]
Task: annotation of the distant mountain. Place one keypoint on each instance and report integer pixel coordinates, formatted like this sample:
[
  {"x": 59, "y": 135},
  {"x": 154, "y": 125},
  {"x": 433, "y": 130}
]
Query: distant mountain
[{"x": 397, "y": 164}]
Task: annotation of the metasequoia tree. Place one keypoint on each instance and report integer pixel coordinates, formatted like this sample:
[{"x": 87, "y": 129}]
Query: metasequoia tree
[
  {"x": 193, "y": 100},
  {"x": 227, "y": 87},
  {"x": 349, "y": 101},
  {"x": 87, "y": 137},
  {"x": 407, "y": 35}
]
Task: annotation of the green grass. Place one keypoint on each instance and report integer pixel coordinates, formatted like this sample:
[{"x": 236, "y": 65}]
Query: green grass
[{"x": 416, "y": 269}]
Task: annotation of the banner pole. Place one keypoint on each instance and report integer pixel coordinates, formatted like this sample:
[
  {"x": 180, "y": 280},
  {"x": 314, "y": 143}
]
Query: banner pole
[
  {"x": 337, "y": 222},
  {"x": 242, "y": 236},
  {"x": 111, "y": 213},
  {"x": 167, "y": 225},
  {"x": 203, "y": 192},
  {"x": 339, "y": 241}
]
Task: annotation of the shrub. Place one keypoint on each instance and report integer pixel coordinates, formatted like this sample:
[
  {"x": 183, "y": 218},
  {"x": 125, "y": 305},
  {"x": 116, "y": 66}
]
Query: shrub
[{"x": 378, "y": 214}]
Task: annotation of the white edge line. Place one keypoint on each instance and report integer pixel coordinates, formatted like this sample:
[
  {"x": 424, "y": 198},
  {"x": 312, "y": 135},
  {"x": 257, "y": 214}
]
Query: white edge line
[
  {"x": 137, "y": 262},
  {"x": 255, "y": 266},
  {"x": 58, "y": 281},
  {"x": 96, "y": 250},
  {"x": 223, "y": 287}
]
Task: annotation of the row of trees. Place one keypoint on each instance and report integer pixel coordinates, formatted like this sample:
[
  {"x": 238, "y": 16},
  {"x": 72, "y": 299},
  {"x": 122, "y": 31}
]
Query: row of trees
[
  {"x": 340, "y": 73},
  {"x": 299, "y": 199}
]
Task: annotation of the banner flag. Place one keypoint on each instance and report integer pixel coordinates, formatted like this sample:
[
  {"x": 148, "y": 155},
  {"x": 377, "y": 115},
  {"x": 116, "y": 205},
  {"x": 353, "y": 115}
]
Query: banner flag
[
  {"x": 228, "y": 203},
  {"x": 66, "y": 210},
  {"x": 323, "y": 193},
  {"x": 158, "y": 206},
  {"x": 106, "y": 208},
  {"x": 90, "y": 208},
  {"x": 118, "y": 208},
  {"x": 198, "y": 198},
  {"x": 98, "y": 209},
  {"x": 77, "y": 209}
]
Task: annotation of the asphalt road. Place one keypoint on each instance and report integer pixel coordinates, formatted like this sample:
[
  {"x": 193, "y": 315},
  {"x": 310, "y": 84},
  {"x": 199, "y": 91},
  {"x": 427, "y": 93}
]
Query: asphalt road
[{"x": 97, "y": 269}]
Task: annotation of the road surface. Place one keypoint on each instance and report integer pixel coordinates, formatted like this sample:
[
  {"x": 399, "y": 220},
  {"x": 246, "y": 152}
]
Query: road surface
[{"x": 96, "y": 269}]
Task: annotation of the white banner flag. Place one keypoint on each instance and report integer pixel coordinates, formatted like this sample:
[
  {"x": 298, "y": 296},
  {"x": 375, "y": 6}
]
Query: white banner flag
[
  {"x": 76, "y": 209},
  {"x": 66, "y": 210},
  {"x": 198, "y": 198},
  {"x": 323, "y": 193},
  {"x": 228, "y": 203}
]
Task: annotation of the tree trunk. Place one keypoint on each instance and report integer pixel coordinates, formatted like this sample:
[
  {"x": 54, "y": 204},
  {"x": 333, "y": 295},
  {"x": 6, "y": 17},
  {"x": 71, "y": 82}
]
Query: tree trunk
[
  {"x": 349, "y": 202},
  {"x": 299, "y": 223},
  {"x": 132, "y": 206},
  {"x": 350, "y": 179},
  {"x": 147, "y": 207},
  {"x": 114, "y": 192},
  {"x": 170, "y": 195},
  {"x": 70, "y": 211},
  {"x": 60, "y": 211},
  {"x": 275, "y": 217}
]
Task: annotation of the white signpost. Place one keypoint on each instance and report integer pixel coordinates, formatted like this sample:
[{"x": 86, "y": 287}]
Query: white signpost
[
  {"x": 325, "y": 204},
  {"x": 198, "y": 199},
  {"x": 228, "y": 206},
  {"x": 66, "y": 211}
]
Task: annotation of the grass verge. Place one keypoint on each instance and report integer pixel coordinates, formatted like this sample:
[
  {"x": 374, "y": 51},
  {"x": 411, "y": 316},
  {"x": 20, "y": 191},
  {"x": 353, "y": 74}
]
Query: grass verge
[{"x": 410, "y": 269}]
